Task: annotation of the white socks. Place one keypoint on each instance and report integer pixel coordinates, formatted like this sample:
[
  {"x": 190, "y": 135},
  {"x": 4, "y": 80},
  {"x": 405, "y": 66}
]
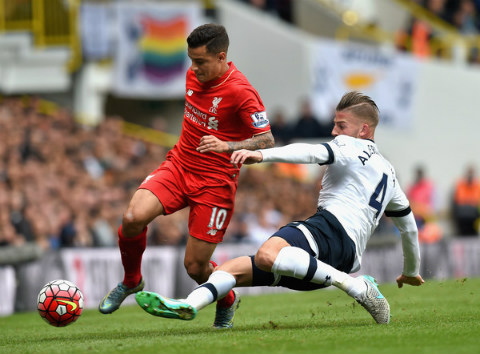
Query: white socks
[
  {"x": 290, "y": 261},
  {"x": 218, "y": 285},
  {"x": 297, "y": 263}
]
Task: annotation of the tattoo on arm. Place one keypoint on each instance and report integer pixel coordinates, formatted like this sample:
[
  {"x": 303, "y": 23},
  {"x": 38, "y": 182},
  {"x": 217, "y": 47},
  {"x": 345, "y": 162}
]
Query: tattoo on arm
[{"x": 261, "y": 141}]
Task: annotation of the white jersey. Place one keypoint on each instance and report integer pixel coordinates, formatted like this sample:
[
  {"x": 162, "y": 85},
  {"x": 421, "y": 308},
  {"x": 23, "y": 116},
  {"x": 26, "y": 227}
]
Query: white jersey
[{"x": 358, "y": 186}]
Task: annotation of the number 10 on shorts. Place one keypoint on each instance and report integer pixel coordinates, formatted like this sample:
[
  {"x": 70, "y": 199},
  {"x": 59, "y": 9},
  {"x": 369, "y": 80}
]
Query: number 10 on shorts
[{"x": 217, "y": 218}]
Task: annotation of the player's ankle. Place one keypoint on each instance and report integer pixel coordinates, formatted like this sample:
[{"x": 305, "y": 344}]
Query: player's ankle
[
  {"x": 356, "y": 287},
  {"x": 227, "y": 301}
]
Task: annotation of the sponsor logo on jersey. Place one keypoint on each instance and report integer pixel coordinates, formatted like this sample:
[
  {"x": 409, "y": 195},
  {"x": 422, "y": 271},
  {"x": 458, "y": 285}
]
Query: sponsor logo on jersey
[
  {"x": 259, "y": 119},
  {"x": 215, "y": 102},
  {"x": 190, "y": 92},
  {"x": 212, "y": 123},
  {"x": 194, "y": 114}
]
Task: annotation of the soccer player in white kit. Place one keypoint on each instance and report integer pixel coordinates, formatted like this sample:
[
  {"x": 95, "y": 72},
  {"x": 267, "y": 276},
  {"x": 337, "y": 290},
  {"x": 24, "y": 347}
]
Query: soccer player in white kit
[{"x": 359, "y": 185}]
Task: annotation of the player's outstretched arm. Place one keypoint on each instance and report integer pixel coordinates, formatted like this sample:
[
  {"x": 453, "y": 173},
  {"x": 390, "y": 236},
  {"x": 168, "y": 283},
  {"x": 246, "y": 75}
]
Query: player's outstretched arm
[
  {"x": 256, "y": 142},
  {"x": 411, "y": 250},
  {"x": 245, "y": 156},
  {"x": 415, "y": 281},
  {"x": 212, "y": 143}
]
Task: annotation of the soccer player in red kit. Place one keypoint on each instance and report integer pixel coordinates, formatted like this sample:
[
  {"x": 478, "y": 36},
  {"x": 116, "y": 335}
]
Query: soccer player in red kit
[{"x": 223, "y": 113}]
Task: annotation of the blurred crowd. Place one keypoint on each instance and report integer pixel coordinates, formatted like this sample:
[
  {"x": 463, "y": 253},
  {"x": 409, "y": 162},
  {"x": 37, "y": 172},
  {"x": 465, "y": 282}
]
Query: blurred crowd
[
  {"x": 419, "y": 37},
  {"x": 306, "y": 125},
  {"x": 423, "y": 40},
  {"x": 463, "y": 208},
  {"x": 63, "y": 184},
  {"x": 464, "y": 15}
]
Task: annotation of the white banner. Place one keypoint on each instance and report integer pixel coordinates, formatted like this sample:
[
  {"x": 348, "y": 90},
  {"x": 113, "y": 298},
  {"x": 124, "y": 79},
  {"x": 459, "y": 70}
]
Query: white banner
[
  {"x": 151, "y": 54},
  {"x": 388, "y": 77},
  {"x": 95, "y": 24},
  {"x": 96, "y": 271}
]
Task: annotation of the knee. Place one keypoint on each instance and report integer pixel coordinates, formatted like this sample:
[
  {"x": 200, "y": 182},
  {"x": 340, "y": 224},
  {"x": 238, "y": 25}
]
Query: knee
[
  {"x": 198, "y": 271},
  {"x": 264, "y": 259},
  {"x": 132, "y": 223}
]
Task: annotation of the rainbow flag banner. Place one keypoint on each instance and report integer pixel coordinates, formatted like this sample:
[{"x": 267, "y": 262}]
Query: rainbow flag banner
[
  {"x": 151, "y": 58},
  {"x": 162, "y": 48}
]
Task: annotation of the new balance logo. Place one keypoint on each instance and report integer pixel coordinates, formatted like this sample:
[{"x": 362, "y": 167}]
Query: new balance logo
[{"x": 147, "y": 178}]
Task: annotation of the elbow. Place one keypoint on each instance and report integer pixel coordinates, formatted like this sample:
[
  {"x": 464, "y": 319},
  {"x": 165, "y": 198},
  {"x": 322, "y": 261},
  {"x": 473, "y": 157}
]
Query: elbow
[
  {"x": 270, "y": 141},
  {"x": 264, "y": 141}
]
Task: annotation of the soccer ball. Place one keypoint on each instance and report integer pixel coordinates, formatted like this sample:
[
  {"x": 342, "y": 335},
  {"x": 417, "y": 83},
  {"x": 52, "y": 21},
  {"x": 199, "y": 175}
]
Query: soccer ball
[{"x": 60, "y": 303}]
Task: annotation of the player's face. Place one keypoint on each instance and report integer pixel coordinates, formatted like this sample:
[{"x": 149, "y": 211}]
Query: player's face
[
  {"x": 345, "y": 123},
  {"x": 207, "y": 66}
]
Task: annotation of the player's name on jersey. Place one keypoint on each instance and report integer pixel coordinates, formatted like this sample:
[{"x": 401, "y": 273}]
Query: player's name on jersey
[{"x": 372, "y": 150}]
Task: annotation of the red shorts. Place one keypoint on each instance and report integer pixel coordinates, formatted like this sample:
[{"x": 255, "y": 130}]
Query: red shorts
[{"x": 211, "y": 200}]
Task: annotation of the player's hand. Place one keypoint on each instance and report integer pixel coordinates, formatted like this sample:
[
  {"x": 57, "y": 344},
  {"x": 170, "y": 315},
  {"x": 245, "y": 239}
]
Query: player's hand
[
  {"x": 246, "y": 157},
  {"x": 210, "y": 143},
  {"x": 415, "y": 281}
]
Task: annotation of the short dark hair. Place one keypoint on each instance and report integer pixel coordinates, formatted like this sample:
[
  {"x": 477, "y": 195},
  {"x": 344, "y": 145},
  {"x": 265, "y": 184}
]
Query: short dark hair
[
  {"x": 360, "y": 105},
  {"x": 211, "y": 35}
]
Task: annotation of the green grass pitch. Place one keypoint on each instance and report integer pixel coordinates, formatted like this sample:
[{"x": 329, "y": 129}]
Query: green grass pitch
[{"x": 438, "y": 317}]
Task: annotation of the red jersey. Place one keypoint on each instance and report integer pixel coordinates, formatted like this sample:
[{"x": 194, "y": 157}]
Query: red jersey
[{"x": 228, "y": 108}]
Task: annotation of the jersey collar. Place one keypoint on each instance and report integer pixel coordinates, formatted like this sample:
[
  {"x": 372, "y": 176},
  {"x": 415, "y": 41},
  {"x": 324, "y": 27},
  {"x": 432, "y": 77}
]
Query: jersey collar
[{"x": 222, "y": 79}]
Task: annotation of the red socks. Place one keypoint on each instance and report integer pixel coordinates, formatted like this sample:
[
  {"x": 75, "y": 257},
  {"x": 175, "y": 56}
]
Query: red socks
[
  {"x": 131, "y": 250},
  {"x": 229, "y": 299}
]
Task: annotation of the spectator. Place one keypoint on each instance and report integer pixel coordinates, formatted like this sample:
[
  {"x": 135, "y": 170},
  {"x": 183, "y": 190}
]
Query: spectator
[
  {"x": 308, "y": 126},
  {"x": 8, "y": 235},
  {"x": 423, "y": 41},
  {"x": 103, "y": 226},
  {"x": 466, "y": 201},
  {"x": 421, "y": 196},
  {"x": 464, "y": 17},
  {"x": 281, "y": 130},
  {"x": 422, "y": 201},
  {"x": 421, "y": 33},
  {"x": 169, "y": 231},
  {"x": 263, "y": 223},
  {"x": 437, "y": 8},
  {"x": 17, "y": 215},
  {"x": 237, "y": 231}
]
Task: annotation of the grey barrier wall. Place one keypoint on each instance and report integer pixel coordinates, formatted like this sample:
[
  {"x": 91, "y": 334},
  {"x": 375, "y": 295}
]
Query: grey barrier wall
[
  {"x": 7, "y": 292},
  {"x": 96, "y": 271},
  {"x": 456, "y": 258}
]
